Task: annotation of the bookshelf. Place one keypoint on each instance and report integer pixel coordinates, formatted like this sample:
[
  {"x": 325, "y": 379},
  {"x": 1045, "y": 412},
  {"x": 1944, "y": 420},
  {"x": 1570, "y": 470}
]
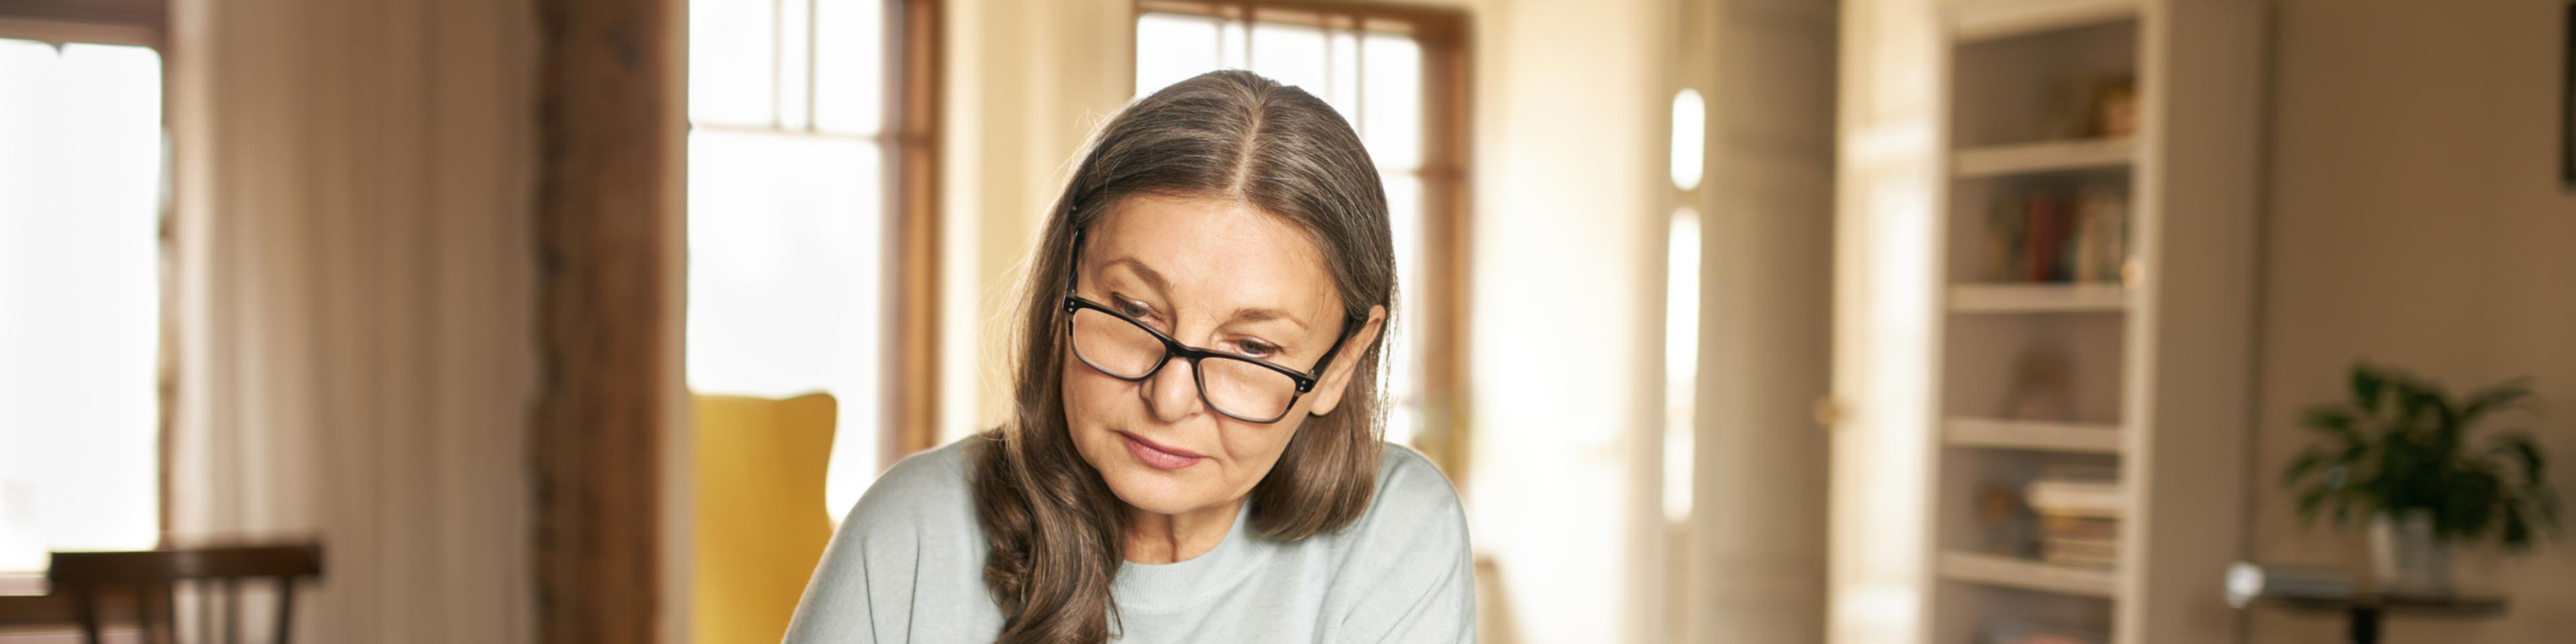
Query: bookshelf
[{"x": 2092, "y": 319}]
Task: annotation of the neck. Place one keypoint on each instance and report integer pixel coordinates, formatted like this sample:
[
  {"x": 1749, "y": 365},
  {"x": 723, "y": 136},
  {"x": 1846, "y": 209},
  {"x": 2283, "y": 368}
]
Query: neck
[{"x": 1156, "y": 538}]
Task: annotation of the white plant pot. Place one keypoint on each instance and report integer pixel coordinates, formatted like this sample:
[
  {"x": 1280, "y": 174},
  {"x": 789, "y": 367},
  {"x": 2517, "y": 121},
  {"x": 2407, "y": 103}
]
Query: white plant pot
[{"x": 2408, "y": 557}]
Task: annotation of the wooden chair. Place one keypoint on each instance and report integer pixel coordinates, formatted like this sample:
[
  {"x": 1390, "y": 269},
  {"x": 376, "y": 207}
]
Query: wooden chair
[{"x": 153, "y": 578}]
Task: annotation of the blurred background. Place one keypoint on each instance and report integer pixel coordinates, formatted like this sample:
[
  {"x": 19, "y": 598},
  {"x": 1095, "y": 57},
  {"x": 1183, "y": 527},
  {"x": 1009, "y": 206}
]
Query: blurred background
[{"x": 1856, "y": 321}]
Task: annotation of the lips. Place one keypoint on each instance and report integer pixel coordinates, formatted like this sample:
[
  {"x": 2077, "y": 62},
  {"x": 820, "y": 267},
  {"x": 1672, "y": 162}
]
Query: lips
[{"x": 1158, "y": 456}]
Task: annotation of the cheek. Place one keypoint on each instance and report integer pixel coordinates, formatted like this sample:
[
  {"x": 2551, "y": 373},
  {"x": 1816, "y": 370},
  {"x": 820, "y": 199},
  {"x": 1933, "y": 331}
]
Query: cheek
[
  {"x": 1087, "y": 393},
  {"x": 1257, "y": 447}
]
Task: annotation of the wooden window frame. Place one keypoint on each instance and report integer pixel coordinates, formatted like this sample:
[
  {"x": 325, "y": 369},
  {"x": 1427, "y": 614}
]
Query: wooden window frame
[
  {"x": 912, "y": 338},
  {"x": 1444, "y": 35}
]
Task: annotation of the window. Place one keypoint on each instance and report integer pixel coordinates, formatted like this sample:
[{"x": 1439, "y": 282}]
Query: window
[
  {"x": 1689, "y": 164},
  {"x": 801, "y": 145},
  {"x": 1397, "y": 76},
  {"x": 81, "y": 260}
]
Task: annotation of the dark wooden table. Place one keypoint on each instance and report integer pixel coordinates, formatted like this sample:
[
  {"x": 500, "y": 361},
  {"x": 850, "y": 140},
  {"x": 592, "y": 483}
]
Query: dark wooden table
[{"x": 2366, "y": 612}]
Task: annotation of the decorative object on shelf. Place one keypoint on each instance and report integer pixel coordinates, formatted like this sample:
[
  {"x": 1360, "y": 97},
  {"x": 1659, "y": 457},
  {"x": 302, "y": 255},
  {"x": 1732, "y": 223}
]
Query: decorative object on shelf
[
  {"x": 2398, "y": 454},
  {"x": 2005, "y": 521},
  {"x": 2114, "y": 109},
  {"x": 2093, "y": 106},
  {"x": 2043, "y": 387}
]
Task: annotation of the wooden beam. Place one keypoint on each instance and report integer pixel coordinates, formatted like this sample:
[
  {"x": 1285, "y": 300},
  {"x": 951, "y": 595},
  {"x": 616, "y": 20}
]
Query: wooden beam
[{"x": 609, "y": 264}]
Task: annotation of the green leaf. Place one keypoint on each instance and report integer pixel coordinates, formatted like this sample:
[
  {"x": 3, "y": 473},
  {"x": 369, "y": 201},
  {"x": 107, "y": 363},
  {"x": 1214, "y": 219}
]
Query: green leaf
[
  {"x": 2499, "y": 397},
  {"x": 2367, "y": 386},
  {"x": 2309, "y": 503},
  {"x": 2307, "y": 463},
  {"x": 2336, "y": 422},
  {"x": 2523, "y": 451},
  {"x": 2517, "y": 533}
]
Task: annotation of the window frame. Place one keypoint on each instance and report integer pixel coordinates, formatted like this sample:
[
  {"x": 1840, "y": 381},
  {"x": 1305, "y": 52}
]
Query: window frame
[
  {"x": 1444, "y": 35},
  {"x": 908, "y": 142}
]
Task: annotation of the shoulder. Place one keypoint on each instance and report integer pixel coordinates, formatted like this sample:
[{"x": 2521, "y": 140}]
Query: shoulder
[
  {"x": 1409, "y": 486},
  {"x": 929, "y": 489},
  {"x": 1414, "y": 510},
  {"x": 1405, "y": 569}
]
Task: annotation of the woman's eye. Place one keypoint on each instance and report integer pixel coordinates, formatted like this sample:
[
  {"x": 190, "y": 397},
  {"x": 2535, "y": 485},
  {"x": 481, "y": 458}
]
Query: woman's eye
[
  {"x": 1256, "y": 348},
  {"x": 1133, "y": 309}
]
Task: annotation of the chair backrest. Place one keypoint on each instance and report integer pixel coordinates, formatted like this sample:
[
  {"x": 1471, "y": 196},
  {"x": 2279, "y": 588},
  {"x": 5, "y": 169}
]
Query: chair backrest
[
  {"x": 152, "y": 578},
  {"x": 759, "y": 524}
]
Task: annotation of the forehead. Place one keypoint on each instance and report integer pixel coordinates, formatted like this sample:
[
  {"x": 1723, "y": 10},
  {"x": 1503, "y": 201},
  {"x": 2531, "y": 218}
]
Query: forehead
[{"x": 1217, "y": 252}]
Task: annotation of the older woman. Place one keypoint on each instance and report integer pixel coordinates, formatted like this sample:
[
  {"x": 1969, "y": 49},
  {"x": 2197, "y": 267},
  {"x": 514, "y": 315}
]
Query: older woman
[{"x": 1194, "y": 455}]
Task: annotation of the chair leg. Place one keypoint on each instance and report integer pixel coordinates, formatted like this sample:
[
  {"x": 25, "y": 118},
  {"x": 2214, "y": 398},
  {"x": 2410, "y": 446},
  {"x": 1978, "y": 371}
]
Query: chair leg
[
  {"x": 143, "y": 612},
  {"x": 85, "y": 608},
  {"x": 285, "y": 608},
  {"x": 232, "y": 611}
]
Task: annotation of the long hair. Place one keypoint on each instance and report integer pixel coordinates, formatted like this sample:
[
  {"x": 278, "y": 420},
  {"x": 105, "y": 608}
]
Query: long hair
[{"x": 1054, "y": 529}]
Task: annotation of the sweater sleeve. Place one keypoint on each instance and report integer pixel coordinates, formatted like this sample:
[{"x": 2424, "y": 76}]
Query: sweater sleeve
[{"x": 1412, "y": 576}]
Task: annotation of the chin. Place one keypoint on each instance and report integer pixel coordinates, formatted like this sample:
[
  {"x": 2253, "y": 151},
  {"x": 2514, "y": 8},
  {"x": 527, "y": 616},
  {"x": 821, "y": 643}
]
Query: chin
[
  {"x": 1157, "y": 497},
  {"x": 1142, "y": 486}
]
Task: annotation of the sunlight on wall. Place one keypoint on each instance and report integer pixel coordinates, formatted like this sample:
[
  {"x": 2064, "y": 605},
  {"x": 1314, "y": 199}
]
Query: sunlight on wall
[
  {"x": 80, "y": 320},
  {"x": 1681, "y": 359}
]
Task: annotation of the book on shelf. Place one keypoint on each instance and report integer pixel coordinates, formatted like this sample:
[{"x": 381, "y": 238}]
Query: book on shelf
[
  {"x": 2079, "y": 498},
  {"x": 2059, "y": 235},
  {"x": 2079, "y": 509}
]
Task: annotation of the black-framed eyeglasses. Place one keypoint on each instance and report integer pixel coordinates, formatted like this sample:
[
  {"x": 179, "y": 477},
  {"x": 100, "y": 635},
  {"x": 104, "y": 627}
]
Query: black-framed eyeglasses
[{"x": 1242, "y": 387}]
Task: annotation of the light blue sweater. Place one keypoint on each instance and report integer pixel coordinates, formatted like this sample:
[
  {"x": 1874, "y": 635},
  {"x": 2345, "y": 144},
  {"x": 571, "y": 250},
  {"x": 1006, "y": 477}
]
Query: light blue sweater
[{"x": 907, "y": 568}]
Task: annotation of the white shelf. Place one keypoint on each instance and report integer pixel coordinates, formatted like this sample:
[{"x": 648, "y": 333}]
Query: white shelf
[
  {"x": 2038, "y": 298},
  {"x": 2079, "y": 438},
  {"x": 2010, "y": 572},
  {"x": 2042, "y": 157},
  {"x": 1994, "y": 19}
]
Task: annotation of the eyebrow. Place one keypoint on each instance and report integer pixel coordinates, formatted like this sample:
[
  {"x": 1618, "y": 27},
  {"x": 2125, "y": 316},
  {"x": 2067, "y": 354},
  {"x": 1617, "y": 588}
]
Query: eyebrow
[{"x": 1155, "y": 280}]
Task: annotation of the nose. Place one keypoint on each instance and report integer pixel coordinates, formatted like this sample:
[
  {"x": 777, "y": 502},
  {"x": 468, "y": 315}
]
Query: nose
[{"x": 1173, "y": 393}]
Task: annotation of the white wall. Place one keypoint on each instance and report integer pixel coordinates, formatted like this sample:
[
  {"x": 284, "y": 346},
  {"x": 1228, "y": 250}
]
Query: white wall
[
  {"x": 356, "y": 303},
  {"x": 1571, "y": 111},
  {"x": 2416, "y": 219}
]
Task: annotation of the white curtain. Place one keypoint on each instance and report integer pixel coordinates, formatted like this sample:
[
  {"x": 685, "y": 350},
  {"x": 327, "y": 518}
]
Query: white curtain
[{"x": 356, "y": 350}]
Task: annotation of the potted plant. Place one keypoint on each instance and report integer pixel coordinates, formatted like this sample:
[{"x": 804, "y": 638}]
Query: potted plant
[{"x": 2399, "y": 454}]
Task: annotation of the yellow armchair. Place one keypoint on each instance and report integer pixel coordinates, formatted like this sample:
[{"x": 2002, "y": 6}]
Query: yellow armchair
[{"x": 760, "y": 524}]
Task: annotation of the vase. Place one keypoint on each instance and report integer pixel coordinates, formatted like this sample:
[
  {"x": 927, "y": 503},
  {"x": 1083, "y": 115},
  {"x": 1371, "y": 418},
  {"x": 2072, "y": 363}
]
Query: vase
[{"x": 2408, "y": 557}]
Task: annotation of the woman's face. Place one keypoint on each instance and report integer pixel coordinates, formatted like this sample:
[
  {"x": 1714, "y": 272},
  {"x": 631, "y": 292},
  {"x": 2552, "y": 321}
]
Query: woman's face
[{"x": 1215, "y": 275}]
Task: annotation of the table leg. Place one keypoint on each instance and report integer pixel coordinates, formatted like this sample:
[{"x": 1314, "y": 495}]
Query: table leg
[{"x": 2365, "y": 625}]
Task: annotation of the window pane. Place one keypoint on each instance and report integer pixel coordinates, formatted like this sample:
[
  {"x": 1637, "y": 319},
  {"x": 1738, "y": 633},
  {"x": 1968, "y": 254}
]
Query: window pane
[
  {"x": 795, "y": 89},
  {"x": 1344, "y": 86},
  {"x": 1290, "y": 54},
  {"x": 1391, "y": 100},
  {"x": 786, "y": 251},
  {"x": 850, "y": 82},
  {"x": 1233, "y": 49},
  {"x": 733, "y": 62},
  {"x": 80, "y": 181},
  {"x": 1171, "y": 48},
  {"x": 1405, "y": 352}
]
